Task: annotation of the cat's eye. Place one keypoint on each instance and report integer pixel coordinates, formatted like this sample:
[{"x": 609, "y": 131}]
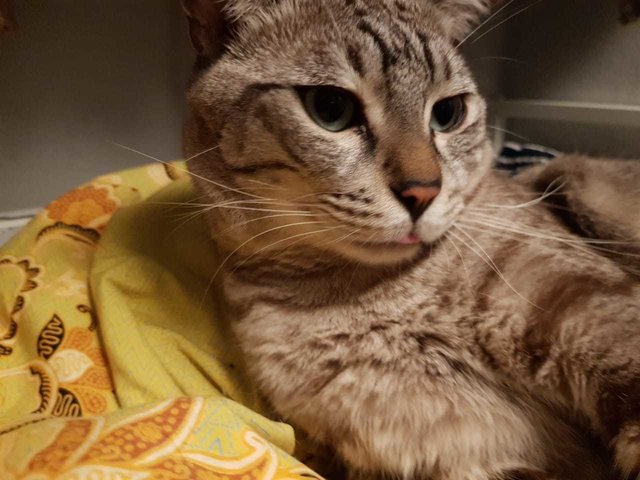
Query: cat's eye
[
  {"x": 448, "y": 113},
  {"x": 332, "y": 108}
]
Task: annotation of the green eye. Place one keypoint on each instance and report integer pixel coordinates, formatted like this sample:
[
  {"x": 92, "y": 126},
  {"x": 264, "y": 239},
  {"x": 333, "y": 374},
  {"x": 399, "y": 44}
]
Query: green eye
[
  {"x": 447, "y": 114},
  {"x": 332, "y": 108}
]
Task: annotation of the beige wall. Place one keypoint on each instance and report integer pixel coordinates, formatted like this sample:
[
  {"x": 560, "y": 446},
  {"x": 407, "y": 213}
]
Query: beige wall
[
  {"x": 575, "y": 50},
  {"x": 81, "y": 74}
]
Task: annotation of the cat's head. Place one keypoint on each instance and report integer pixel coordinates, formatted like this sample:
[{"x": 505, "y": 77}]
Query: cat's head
[{"x": 352, "y": 126}]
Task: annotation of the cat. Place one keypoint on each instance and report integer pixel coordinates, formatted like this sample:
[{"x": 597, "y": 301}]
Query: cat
[{"x": 397, "y": 300}]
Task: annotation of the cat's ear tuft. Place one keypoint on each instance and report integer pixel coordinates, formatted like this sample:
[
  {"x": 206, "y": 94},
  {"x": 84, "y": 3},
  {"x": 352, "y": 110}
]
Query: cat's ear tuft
[{"x": 459, "y": 17}]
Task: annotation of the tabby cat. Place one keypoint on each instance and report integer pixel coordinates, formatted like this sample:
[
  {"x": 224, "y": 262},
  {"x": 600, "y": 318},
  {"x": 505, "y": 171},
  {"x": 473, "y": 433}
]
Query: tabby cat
[{"x": 397, "y": 300}]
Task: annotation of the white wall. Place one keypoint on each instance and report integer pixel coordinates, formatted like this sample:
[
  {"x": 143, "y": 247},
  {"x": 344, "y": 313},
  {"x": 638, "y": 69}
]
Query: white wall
[
  {"x": 575, "y": 50},
  {"x": 81, "y": 74}
]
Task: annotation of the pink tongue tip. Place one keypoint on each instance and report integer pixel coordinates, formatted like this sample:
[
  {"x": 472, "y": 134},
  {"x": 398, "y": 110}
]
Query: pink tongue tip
[{"x": 411, "y": 239}]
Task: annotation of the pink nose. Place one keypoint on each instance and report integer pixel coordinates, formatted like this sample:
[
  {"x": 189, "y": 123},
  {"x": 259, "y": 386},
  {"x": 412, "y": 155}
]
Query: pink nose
[{"x": 417, "y": 196}]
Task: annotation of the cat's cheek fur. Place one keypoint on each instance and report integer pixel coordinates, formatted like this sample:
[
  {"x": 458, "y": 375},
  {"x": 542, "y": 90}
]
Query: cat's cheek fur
[
  {"x": 441, "y": 216},
  {"x": 459, "y": 186}
]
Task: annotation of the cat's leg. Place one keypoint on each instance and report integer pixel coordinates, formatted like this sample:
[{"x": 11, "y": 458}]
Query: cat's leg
[
  {"x": 319, "y": 458},
  {"x": 601, "y": 367},
  {"x": 581, "y": 349},
  {"x": 523, "y": 474},
  {"x": 526, "y": 475},
  {"x": 358, "y": 475},
  {"x": 457, "y": 476},
  {"x": 509, "y": 475},
  {"x": 600, "y": 199}
]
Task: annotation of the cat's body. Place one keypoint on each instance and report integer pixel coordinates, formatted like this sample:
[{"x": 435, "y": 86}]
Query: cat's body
[
  {"x": 395, "y": 299},
  {"x": 441, "y": 367}
]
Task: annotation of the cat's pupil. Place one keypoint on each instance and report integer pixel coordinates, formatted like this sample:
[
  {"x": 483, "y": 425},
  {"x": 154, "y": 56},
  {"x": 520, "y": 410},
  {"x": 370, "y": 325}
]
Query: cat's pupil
[
  {"x": 447, "y": 114},
  {"x": 330, "y": 106},
  {"x": 444, "y": 112}
]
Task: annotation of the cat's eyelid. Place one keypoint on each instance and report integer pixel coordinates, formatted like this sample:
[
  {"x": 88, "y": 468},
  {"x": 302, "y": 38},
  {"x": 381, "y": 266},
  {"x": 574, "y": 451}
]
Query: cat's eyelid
[
  {"x": 349, "y": 89},
  {"x": 465, "y": 94},
  {"x": 432, "y": 99}
]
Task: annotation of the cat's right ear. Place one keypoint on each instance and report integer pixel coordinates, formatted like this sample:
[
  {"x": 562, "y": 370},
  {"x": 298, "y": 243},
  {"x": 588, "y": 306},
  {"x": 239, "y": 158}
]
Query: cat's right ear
[
  {"x": 459, "y": 17},
  {"x": 209, "y": 27}
]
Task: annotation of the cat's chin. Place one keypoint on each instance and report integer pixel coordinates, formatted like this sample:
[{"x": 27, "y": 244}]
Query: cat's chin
[{"x": 383, "y": 254}]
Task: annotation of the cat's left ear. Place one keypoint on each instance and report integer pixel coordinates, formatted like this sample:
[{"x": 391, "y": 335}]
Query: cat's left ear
[
  {"x": 208, "y": 26},
  {"x": 459, "y": 17},
  {"x": 212, "y": 22}
]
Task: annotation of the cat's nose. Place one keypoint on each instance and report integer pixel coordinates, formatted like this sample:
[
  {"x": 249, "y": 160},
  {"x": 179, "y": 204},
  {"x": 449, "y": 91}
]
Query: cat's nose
[{"x": 417, "y": 196}]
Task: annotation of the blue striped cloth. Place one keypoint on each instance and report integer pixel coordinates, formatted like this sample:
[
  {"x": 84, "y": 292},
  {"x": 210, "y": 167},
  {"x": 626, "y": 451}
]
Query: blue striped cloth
[{"x": 516, "y": 157}]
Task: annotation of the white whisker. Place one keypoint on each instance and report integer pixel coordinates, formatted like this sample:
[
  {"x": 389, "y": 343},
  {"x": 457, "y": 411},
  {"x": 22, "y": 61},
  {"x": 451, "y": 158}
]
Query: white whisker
[
  {"x": 464, "y": 265},
  {"x": 267, "y": 217},
  {"x": 226, "y": 260},
  {"x": 265, "y": 184},
  {"x": 491, "y": 221},
  {"x": 300, "y": 236},
  {"x": 523, "y": 9},
  {"x": 250, "y": 209},
  {"x": 512, "y": 133},
  {"x": 201, "y": 153},
  {"x": 494, "y": 15},
  {"x": 547, "y": 193},
  {"x": 271, "y": 210},
  {"x": 232, "y": 202},
  {"x": 489, "y": 261},
  {"x": 230, "y": 189},
  {"x": 528, "y": 237},
  {"x": 341, "y": 239}
]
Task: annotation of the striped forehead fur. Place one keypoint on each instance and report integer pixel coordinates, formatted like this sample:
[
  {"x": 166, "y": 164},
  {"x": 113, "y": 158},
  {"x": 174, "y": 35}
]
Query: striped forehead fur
[{"x": 457, "y": 16}]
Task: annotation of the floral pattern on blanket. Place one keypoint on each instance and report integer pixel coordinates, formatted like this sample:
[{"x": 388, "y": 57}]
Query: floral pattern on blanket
[
  {"x": 160, "y": 442},
  {"x": 61, "y": 416}
]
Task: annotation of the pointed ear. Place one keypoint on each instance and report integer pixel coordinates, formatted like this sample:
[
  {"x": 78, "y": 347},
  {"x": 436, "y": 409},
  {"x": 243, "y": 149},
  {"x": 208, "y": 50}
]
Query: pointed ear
[
  {"x": 459, "y": 17},
  {"x": 209, "y": 26}
]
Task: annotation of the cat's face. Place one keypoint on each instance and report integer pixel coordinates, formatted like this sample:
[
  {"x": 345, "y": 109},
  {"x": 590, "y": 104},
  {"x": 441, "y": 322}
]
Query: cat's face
[{"x": 358, "y": 121}]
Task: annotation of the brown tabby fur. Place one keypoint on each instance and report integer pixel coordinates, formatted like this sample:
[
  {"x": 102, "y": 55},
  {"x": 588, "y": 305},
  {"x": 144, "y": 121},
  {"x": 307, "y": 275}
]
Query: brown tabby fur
[{"x": 505, "y": 346}]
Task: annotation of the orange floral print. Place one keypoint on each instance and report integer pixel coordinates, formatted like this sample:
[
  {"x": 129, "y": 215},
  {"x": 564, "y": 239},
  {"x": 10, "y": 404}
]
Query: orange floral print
[{"x": 88, "y": 207}]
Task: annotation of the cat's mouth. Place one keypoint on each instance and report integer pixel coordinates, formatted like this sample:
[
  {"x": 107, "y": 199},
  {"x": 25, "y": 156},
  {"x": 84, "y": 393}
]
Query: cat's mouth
[
  {"x": 394, "y": 252},
  {"x": 411, "y": 239}
]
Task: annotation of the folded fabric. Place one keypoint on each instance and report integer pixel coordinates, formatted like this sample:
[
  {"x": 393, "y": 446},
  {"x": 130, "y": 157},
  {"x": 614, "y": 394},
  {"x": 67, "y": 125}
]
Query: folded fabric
[{"x": 116, "y": 359}]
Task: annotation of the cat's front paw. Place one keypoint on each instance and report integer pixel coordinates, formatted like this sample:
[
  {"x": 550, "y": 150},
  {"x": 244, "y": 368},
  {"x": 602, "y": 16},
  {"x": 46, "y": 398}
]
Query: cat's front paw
[{"x": 627, "y": 449}]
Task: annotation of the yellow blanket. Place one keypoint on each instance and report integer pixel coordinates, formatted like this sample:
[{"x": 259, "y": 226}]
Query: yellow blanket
[{"x": 114, "y": 361}]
